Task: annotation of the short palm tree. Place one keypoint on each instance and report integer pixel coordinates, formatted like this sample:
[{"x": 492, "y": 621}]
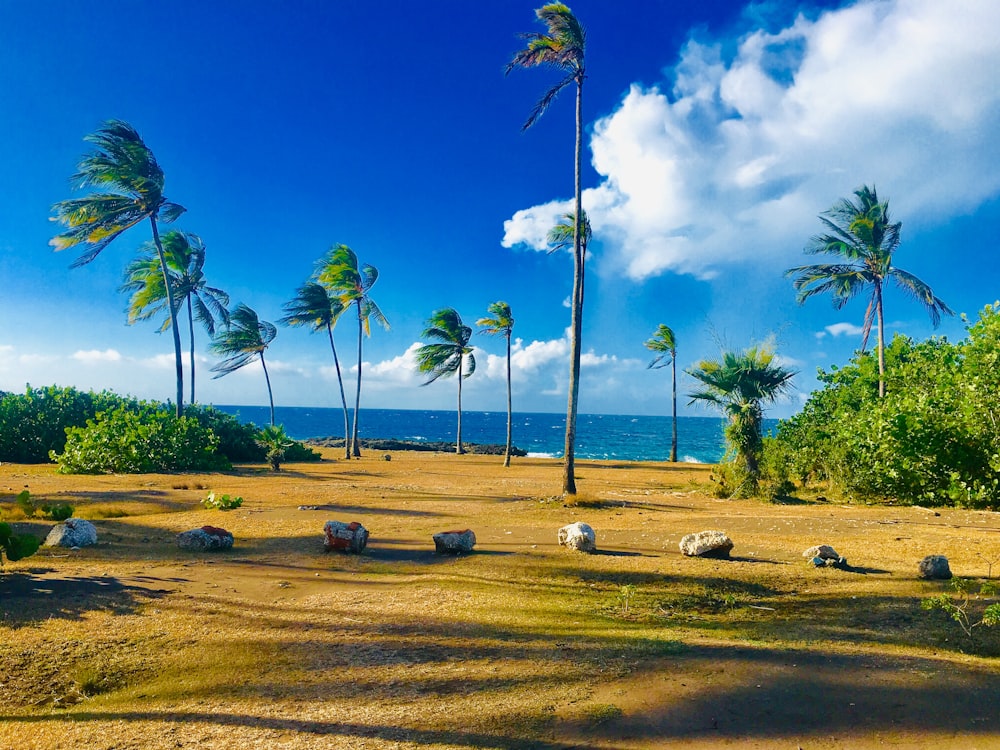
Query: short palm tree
[
  {"x": 123, "y": 166},
  {"x": 664, "y": 343},
  {"x": 740, "y": 384},
  {"x": 864, "y": 239},
  {"x": 341, "y": 274},
  {"x": 562, "y": 47},
  {"x": 501, "y": 323},
  {"x": 185, "y": 256},
  {"x": 315, "y": 307},
  {"x": 241, "y": 342},
  {"x": 448, "y": 355}
]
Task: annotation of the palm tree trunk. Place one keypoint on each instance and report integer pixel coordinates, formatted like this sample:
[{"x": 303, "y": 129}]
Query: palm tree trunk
[
  {"x": 355, "y": 448},
  {"x": 673, "y": 381},
  {"x": 506, "y": 458},
  {"x": 343, "y": 397},
  {"x": 267, "y": 380},
  {"x": 191, "y": 333},
  {"x": 881, "y": 340},
  {"x": 173, "y": 317},
  {"x": 458, "y": 445},
  {"x": 575, "y": 344}
]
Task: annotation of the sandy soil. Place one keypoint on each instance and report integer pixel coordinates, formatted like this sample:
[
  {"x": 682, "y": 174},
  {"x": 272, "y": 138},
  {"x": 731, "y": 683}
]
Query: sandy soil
[{"x": 134, "y": 643}]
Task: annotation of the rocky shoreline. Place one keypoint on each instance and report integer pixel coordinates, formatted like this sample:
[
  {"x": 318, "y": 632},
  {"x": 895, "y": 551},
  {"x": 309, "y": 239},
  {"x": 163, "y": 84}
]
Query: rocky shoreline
[{"x": 377, "y": 444}]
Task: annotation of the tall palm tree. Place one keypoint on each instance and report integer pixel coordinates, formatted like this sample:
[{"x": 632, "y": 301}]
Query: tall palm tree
[
  {"x": 448, "y": 355},
  {"x": 664, "y": 343},
  {"x": 340, "y": 273},
  {"x": 864, "y": 239},
  {"x": 501, "y": 324},
  {"x": 562, "y": 47},
  {"x": 122, "y": 165},
  {"x": 740, "y": 384},
  {"x": 241, "y": 342},
  {"x": 315, "y": 307},
  {"x": 185, "y": 256}
]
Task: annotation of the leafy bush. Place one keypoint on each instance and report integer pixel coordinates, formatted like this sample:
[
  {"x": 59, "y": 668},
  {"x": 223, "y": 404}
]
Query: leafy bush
[
  {"x": 274, "y": 440},
  {"x": 237, "y": 441},
  {"x": 56, "y": 511},
  {"x": 221, "y": 502},
  {"x": 300, "y": 452},
  {"x": 960, "y": 608},
  {"x": 16, "y": 546},
  {"x": 932, "y": 439},
  {"x": 142, "y": 440},
  {"x": 33, "y": 424}
]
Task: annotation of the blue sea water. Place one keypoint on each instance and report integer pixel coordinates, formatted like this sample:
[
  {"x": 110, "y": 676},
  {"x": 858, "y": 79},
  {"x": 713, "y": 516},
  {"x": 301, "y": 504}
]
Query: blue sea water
[{"x": 599, "y": 436}]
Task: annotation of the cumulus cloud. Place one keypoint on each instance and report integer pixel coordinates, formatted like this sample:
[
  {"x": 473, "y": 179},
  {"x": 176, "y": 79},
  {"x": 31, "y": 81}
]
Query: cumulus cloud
[
  {"x": 841, "y": 329},
  {"x": 732, "y": 158},
  {"x": 92, "y": 356}
]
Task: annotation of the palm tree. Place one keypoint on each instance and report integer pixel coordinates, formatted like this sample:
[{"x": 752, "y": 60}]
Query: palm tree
[
  {"x": 122, "y": 165},
  {"x": 863, "y": 237},
  {"x": 185, "y": 256},
  {"x": 739, "y": 385},
  {"x": 563, "y": 48},
  {"x": 665, "y": 344},
  {"x": 241, "y": 342},
  {"x": 340, "y": 273},
  {"x": 313, "y": 306},
  {"x": 501, "y": 324},
  {"x": 449, "y": 355}
]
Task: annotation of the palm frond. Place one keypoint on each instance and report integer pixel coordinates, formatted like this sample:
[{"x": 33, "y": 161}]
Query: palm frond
[
  {"x": 246, "y": 337},
  {"x": 921, "y": 292}
]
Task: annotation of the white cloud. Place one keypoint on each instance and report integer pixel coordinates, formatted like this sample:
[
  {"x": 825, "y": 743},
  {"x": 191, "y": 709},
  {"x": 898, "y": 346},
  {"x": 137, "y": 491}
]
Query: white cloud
[
  {"x": 92, "y": 356},
  {"x": 733, "y": 161},
  {"x": 844, "y": 329}
]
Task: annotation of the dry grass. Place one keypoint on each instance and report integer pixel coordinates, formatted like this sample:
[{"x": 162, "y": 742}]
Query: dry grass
[{"x": 136, "y": 644}]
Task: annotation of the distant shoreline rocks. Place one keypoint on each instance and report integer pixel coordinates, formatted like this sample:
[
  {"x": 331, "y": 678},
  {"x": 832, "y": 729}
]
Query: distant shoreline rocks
[{"x": 377, "y": 444}]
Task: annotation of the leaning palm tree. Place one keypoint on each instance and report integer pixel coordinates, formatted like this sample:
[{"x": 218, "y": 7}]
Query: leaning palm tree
[
  {"x": 740, "y": 384},
  {"x": 501, "y": 324},
  {"x": 563, "y": 48},
  {"x": 664, "y": 343},
  {"x": 243, "y": 341},
  {"x": 122, "y": 165},
  {"x": 340, "y": 273},
  {"x": 448, "y": 355},
  {"x": 185, "y": 256},
  {"x": 863, "y": 237},
  {"x": 315, "y": 307}
]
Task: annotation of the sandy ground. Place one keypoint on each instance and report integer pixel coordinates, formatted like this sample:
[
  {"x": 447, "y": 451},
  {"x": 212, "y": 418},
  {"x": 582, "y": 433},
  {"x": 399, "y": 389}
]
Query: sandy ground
[{"x": 134, "y": 643}]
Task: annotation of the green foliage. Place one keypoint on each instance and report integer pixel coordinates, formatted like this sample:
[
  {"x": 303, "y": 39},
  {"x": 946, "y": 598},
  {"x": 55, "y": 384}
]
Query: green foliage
[
  {"x": 16, "y": 546},
  {"x": 33, "y": 424},
  {"x": 275, "y": 441},
  {"x": 26, "y": 504},
  {"x": 300, "y": 452},
  {"x": 221, "y": 502},
  {"x": 932, "y": 439},
  {"x": 237, "y": 441},
  {"x": 54, "y": 511},
  {"x": 142, "y": 440},
  {"x": 58, "y": 511},
  {"x": 962, "y": 608}
]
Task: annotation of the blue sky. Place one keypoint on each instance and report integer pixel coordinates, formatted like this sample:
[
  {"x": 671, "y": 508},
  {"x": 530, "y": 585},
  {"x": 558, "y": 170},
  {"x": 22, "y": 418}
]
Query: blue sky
[{"x": 716, "y": 133}]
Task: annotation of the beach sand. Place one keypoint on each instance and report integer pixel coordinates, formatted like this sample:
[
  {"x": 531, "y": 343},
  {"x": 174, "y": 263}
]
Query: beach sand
[{"x": 134, "y": 643}]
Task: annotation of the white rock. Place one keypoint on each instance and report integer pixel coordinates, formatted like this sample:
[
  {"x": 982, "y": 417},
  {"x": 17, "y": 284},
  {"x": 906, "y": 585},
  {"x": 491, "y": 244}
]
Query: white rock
[
  {"x": 578, "y": 536},
  {"x": 344, "y": 537},
  {"x": 205, "y": 539},
  {"x": 822, "y": 551},
  {"x": 73, "y": 532},
  {"x": 706, "y": 544},
  {"x": 455, "y": 542}
]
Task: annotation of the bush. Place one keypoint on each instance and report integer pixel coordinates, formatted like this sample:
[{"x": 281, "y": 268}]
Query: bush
[
  {"x": 147, "y": 439},
  {"x": 16, "y": 546},
  {"x": 221, "y": 502},
  {"x": 237, "y": 441},
  {"x": 33, "y": 424},
  {"x": 297, "y": 452}
]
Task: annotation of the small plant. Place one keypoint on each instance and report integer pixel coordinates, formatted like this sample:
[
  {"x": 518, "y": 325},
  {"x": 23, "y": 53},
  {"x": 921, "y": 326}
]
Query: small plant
[
  {"x": 58, "y": 511},
  {"x": 276, "y": 442},
  {"x": 960, "y": 608},
  {"x": 221, "y": 502},
  {"x": 26, "y": 504},
  {"x": 625, "y": 595},
  {"x": 16, "y": 546}
]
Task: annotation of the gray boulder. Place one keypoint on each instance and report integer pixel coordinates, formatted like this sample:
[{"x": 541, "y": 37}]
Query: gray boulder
[
  {"x": 707, "y": 544},
  {"x": 344, "y": 537},
  {"x": 934, "y": 567},
  {"x": 455, "y": 542},
  {"x": 825, "y": 556},
  {"x": 578, "y": 536},
  {"x": 73, "y": 532},
  {"x": 205, "y": 539}
]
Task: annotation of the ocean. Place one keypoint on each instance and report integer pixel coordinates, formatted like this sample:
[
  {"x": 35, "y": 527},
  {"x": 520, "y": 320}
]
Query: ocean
[{"x": 599, "y": 436}]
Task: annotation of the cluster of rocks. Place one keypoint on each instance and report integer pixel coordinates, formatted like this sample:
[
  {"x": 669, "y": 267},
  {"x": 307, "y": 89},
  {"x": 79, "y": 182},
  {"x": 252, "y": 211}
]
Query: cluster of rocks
[{"x": 339, "y": 536}]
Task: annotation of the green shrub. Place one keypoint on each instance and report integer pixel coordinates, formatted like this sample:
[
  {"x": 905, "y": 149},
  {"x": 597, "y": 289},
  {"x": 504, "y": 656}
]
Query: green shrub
[
  {"x": 25, "y": 503},
  {"x": 58, "y": 511},
  {"x": 16, "y": 546},
  {"x": 143, "y": 440},
  {"x": 300, "y": 452},
  {"x": 221, "y": 502},
  {"x": 237, "y": 441}
]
